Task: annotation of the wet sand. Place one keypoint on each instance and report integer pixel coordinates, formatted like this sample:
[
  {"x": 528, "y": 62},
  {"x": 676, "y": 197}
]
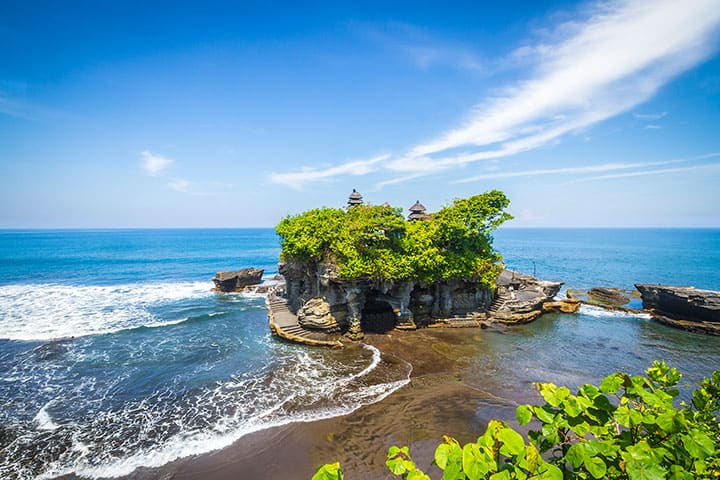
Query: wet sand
[{"x": 437, "y": 401}]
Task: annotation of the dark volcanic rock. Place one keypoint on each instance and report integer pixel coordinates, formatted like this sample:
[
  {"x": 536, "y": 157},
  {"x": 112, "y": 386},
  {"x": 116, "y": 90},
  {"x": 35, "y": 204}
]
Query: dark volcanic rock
[
  {"x": 681, "y": 303},
  {"x": 236, "y": 281}
]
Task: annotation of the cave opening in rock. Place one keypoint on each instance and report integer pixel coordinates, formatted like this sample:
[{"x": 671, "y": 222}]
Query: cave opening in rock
[{"x": 377, "y": 316}]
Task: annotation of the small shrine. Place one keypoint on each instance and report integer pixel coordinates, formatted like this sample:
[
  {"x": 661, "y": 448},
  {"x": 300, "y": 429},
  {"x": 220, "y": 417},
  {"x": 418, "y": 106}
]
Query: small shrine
[
  {"x": 355, "y": 199},
  {"x": 417, "y": 212}
]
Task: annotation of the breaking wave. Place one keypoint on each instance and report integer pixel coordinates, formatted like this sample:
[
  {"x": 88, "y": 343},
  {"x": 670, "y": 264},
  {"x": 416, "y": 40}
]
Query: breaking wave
[{"x": 46, "y": 312}]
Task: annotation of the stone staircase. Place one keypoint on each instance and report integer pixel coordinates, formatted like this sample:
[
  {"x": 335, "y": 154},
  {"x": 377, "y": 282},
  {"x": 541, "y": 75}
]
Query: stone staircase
[{"x": 499, "y": 301}]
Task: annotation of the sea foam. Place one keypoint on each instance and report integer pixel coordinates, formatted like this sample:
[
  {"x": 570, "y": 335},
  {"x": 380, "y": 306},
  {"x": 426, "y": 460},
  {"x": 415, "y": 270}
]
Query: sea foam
[
  {"x": 46, "y": 312},
  {"x": 594, "y": 311},
  {"x": 302, "y": 390}
]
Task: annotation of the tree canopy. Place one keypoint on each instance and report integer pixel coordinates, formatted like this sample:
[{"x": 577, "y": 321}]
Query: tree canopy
[{"x": 376, "y": 242}]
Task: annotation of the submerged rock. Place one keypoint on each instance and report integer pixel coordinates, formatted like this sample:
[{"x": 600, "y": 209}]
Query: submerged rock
[
  {"x": 237, "y": 281},
  {"x": 609, "y": 296},
  {"x": 602, "y": 297},
  {"x": 681, "y": 303}
]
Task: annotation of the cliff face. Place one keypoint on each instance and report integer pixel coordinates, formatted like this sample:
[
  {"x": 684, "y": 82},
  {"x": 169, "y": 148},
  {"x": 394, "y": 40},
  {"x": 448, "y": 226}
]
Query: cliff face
[
  {"x": 322, "y": 300},
  {"x": 362, "y": 305}
]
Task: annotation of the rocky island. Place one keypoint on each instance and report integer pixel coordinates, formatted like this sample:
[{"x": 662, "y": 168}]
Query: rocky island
[{"x": 368, "y": 269}]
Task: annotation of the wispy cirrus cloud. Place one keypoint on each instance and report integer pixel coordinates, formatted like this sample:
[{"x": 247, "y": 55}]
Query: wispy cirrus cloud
[
  {"x": 307, "y": 175},
  {"x": 607, "y": 63},
  {"x": 650, "y": 116},
  {"x": 420, "y": 47},
  {"x": 644, "y": 173},
  {"x": 180, "y": 185},
  {"x": 612, "y": 62},
  {"x": 607, "y": 167},
  {"x": 154, "y": 164}
]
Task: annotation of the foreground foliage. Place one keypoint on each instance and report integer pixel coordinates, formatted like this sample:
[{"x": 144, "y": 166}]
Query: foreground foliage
[
  {"x": 625, "y": 428},
  {"x": 376, "y": 242}
]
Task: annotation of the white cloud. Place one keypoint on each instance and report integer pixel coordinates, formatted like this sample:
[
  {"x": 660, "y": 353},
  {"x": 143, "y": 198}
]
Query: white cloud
[
  {"x": 420, "y": 47},
  {"x": 354, "y": 168},
  {"x": 154, "y": 165},
  {"x": 650, "y": 116},
  {"x": 606, "y": 65},
  {"x": 607, "y": 167},
  {"x": 711, "y": 166},
  {"x": 596, "y": 67},
  {"x": 613, "y": 62},
  {"x": 180, "y": 185}
]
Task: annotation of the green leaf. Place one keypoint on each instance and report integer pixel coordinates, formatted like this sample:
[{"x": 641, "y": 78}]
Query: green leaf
[
  {"x": 473, "y": 462},
  {"x": 442, "y": 454},
  {"x": 575, "y": 455},
  {"x": 698, "y": 444},
  {"x": 398, "y": 460},
  {"x": 532, "y": 458},
  {"x": 645, "y": 470},
  {"x": 572, "y": 407},
  {"x": 589, "y": 391},
  {"x": 543, "y": 414},
  {"x": 611, "y": 384},
  {"x": 502, "y": 475},
  {"x": 622, "y": 416},
  {"x": 513, "y": 442},
  {"x": 329, "y": 471},
  {"x": 595, "y": 467},
  {"x": 417, "y": 475},
  {"x": 548, "y": 471},
  {"x": 524, "y": 414}
]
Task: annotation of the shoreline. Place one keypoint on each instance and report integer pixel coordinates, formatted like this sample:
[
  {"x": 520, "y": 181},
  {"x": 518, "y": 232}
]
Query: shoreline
[{"x": 435, "y": 402}]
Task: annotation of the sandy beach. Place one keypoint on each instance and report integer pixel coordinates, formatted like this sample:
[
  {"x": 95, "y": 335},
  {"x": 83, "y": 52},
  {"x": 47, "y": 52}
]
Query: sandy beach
[{"x": 437, "y": 401}]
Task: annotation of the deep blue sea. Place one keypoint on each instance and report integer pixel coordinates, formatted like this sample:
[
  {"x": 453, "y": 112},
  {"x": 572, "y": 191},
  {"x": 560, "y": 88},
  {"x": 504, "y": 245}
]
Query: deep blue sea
[{"x": 115, "y": 354}]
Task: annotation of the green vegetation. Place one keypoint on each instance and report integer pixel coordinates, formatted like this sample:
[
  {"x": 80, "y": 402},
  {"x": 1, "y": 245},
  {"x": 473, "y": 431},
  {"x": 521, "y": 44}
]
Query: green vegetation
[
  {"x": 627, "y": 428},
  {"x": 376, "y": 242}
]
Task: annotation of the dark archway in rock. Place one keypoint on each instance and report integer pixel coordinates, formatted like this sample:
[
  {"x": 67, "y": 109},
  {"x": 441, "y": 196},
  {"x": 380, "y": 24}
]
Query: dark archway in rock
[{"x": 377, "y": 316}]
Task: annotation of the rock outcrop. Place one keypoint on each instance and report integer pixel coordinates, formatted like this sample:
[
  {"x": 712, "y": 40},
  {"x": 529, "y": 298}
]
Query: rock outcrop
[
  {"x": 520, "y": 298},
  {"x": 316, "y": 314},
  {"x": 569, "y": 305},
  {"x": 687, "y": 305},
  {"x": 237, "y": 281}
]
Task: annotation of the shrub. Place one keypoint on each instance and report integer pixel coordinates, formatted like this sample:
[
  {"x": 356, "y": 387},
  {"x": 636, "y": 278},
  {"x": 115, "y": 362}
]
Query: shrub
[
  {"x": 376, "y": 242},
  {"x": 625, "y": 428}
]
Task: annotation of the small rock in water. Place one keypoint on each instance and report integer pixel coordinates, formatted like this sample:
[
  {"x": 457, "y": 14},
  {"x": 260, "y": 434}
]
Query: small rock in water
[{"x": 237, "y": 281}]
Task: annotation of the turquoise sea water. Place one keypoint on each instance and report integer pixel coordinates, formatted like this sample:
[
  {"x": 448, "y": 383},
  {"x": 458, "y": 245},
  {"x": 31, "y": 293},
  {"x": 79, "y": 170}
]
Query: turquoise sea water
[{"x": 115, "y": 354}]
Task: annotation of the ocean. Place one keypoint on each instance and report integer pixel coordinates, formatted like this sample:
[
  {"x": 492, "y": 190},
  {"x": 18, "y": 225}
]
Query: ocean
[{"x": 115, "y": 354}]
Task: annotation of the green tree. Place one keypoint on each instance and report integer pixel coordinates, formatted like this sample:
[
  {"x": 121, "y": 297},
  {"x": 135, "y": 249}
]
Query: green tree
[{"x": 376, "y": 242}]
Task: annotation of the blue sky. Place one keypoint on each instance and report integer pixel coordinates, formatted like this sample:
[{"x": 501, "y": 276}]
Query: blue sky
[{"x": 230, "y": 114}]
